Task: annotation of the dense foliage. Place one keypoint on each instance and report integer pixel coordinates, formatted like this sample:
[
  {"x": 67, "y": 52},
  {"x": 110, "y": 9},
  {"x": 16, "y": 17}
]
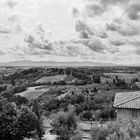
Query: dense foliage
[
  {"x": 86, "y": 106},
  {"x": 17, "y": 123},
  {"x": 119, "y": 130},
  {"x": 64, "y": 125}
]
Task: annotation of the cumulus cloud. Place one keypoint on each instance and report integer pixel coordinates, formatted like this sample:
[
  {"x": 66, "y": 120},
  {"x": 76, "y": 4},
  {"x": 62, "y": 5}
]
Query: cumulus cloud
[
  {"x": 38, "y": 40},
  {"x": 1, "y": 52},
  {"x": 94, "y": 8},
  {"x": 4, "y": 29},
  {"x": 137, "y": 51},
  {"x": 95, "y": 45},
  {"x": 135, "y": 43},
  {"x": 119, "y": 42},
  {"x": 15, "y": 18},
  {"x": 98, "y": 7},
  {"x": 62, "y": 48},
  {"x": 34, "y": 43},
  {"x": 133, "y": 10},
  {"x": 40, "y": 30},
  {"x": 87, "y": 31},
  {"x": 82, "y": 27},
  {"x": 11, "y": 3},
  {"x": 109, "y": 26},
  {"x": 103, "y": 29},
  {"x": 124, "y": 29},
  {"x": 75, "y": 12}
]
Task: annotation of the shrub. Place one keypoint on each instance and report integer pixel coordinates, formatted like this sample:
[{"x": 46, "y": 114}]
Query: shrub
[
  {"x": 64, "y": 125},
  {"x": 86, "y": 115},
  {"x": 17, "y": 123},
  {"x": 119, "y": 130},
  {"x": 77, "y": 136}
]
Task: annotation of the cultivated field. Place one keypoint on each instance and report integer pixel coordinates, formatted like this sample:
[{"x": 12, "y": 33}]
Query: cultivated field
[
  {"x": 33, "y": 92},
  {"x": 126, "y": 76},
  {"x": 47, "y": 79},
  {"x": 56, "y": 78}
]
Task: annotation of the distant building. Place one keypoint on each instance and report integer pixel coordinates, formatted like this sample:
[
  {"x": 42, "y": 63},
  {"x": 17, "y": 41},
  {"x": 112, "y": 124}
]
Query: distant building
[
  {"x": 105, "y": 80},
  {"x": 127, "y": 105},
  {"x": 137, "y": 84}
]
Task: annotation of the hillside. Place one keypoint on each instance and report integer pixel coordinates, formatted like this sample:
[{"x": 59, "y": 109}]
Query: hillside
[{"x": 54, "y": 63}]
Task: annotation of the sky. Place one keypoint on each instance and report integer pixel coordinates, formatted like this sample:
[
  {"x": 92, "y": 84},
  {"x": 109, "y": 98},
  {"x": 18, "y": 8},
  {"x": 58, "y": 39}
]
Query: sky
[{"x": 70, "y": 30}]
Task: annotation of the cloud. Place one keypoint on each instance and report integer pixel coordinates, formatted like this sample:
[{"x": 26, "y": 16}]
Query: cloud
[
  {"x": 18, "y": 28},
  {"x": 95, "y": 45},
  {"x": 75, "y": 12},
  {"x": 135, "y": 43},
  {"x": 94, "y": 8},
  {"x": 98, "y": 7},
  {"x": 62, "y": 48},
  {"x": 82, "y": 27},
  {"x": 40, "y": 30},
  {"x": 113, "y": 2},
  {"x": 102, "y": 30},
  {"x": 86, "y": 31},
  {"x": 32, "y": 42},
  {"x": 84, "y": 34},
  {"x": 137, "y": 51},
  {"x": 118, "y": 42},
  {"x": 70, "y": 50},
  {"x": 4, "y": 29},
  {"x": 38, "y": 39},
  {"x": 1, "y": 52},
  {"x": 15, "y": 18},
  {"x": 133, "y": 10},
  {"x": 11, "y": 4},
  {"x": 124, "y": 29}
]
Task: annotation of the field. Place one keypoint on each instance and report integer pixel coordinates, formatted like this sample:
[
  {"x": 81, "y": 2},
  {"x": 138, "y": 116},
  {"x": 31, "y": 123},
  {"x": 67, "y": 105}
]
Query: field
[
  {"x": 126, "y": 76},
  {"x": 55, "y": 91},
  {"x": 8, "y": 70},
  {"x": 47, "y": 79},
  {"x": 33, "y": 92},
  {"x": 56, "y": 78}
]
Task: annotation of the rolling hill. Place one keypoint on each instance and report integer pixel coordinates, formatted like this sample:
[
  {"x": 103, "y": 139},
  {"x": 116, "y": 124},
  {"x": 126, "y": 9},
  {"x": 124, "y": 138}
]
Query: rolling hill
[{"x": 54, "y": 63}]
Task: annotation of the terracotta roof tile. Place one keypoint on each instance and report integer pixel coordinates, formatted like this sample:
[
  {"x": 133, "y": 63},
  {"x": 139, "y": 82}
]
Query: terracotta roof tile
[{"x": 127, "y": 100}]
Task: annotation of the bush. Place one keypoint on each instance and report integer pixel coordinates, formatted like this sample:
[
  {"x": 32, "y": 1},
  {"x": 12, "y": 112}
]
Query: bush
[
  {"x": 77, "y": 136},
  {"x": 119, "y": 130},
  {"x": 87, "y": 115},
  {"x": 64, "y": 125},
  {"x": 17, "y": 123}
]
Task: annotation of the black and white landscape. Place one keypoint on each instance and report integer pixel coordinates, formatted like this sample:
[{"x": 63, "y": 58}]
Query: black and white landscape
[{"x": 69, "y": 69}]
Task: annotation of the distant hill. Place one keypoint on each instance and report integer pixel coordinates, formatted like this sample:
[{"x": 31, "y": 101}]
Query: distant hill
[{"x": 53, "y": 63}]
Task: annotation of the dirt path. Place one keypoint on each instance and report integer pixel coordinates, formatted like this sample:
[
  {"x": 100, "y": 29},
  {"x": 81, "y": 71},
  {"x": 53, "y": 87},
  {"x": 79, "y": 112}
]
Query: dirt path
[{"x": 47, "y": 126}]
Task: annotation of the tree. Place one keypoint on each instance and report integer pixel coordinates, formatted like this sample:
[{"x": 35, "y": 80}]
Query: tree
[
  {"x": 96, "y": 79},
  {"x": 64, "y": 125},
  {"x": 86, "y": 115},
  {"x": 12, "y": 82},
  {"x": 36, "y": 109},
  {"x": 17, "y": 123}
]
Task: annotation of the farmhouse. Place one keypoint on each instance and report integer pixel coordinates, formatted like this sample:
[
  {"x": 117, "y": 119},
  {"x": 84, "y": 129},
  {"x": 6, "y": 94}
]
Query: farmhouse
[
  {"x": 127, "y": 105},
  {"x": 137, "y": 84}
]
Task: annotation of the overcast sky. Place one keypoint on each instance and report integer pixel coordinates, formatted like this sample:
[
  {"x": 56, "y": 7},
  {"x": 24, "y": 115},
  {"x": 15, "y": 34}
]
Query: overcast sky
[{"x": 70, "y": 30}]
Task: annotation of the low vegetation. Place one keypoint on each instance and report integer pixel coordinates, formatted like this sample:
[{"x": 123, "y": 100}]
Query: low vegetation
[
  {"x": 68, "y": 93},
  {"x": 65, "y": 124},
  {"x": 119, "y": 130},
  {"x": 18, "y": 122}
]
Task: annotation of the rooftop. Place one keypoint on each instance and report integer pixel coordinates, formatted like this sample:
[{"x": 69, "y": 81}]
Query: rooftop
[{"x": 130, "y": 100}]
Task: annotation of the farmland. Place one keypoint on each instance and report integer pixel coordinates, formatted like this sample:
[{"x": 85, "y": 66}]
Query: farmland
[
  {"x": 56, "y": 78},
  {"x": 128, "y": 77},
  {"x": 33, "y": 92},
  {"x": 89, "y": 90}
]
